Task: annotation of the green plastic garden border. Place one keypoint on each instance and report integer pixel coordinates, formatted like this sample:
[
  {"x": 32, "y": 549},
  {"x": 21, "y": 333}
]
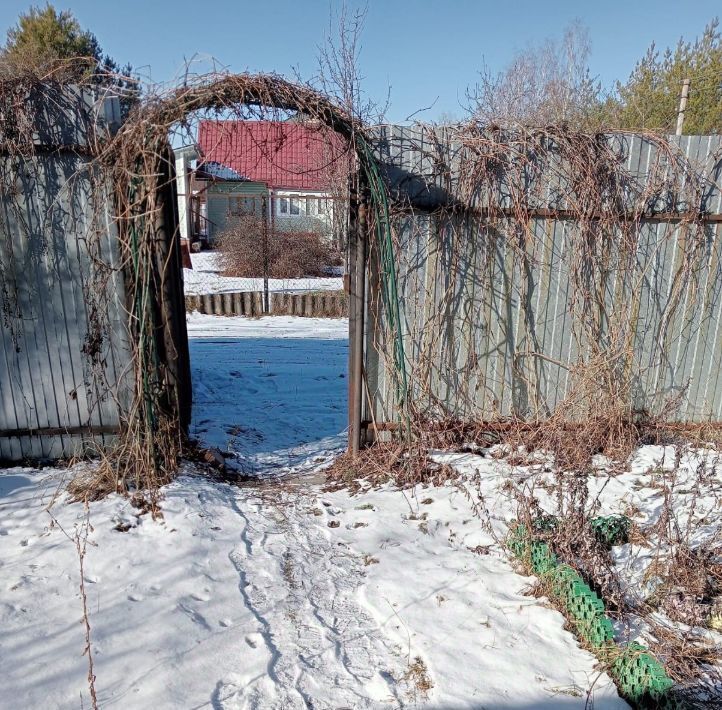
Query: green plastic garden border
[{"x": 640, "y": 677}]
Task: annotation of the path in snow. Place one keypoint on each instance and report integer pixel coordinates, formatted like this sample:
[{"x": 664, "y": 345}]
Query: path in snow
[
  {"x": 303, "y": 589},
  {"x": 272, "y": 391}
]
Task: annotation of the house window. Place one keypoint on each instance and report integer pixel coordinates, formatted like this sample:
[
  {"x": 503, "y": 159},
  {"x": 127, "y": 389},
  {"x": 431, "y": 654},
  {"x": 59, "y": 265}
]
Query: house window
[
  {"x": 242, "y": 206},
  {"x": 294, "y": 206}
]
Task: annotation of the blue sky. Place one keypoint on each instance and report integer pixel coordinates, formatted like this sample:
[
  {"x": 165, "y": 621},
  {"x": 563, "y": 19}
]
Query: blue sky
[{"x": 426, "y": 51}]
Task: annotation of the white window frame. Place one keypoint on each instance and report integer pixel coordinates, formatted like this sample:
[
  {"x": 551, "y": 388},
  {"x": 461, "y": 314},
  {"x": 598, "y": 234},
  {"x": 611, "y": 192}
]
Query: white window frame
[{"x": 297, "y": 205}]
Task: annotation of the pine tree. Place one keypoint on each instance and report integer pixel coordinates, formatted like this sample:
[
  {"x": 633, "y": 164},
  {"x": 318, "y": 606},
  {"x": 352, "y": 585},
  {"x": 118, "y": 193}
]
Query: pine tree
[
  {"x": 48, "y": 43},
  {"x": 650, "y": 97}
]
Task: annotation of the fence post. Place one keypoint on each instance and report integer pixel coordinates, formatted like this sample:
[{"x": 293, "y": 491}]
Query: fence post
[
  {"x": 266, "y": 259},
  {"x": 237, "y": 304},
  {"x": 682, "y": 106},
  {"x": 356, "y": 307}
]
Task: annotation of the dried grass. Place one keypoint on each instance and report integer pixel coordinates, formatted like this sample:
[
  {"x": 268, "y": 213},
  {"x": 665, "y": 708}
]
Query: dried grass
[{"x": 394, "y": 463}]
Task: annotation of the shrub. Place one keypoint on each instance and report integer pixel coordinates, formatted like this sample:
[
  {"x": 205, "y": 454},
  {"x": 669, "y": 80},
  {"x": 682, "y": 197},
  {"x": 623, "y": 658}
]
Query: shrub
[{"x": 290, "y": 254}]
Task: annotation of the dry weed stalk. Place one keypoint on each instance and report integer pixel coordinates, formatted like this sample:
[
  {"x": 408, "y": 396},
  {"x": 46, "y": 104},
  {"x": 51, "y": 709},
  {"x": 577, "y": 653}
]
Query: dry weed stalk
[
  {"x": 418, "y": 680},
  {"x": 81, "y": 543},
  {"x": 79, "y": 538}
]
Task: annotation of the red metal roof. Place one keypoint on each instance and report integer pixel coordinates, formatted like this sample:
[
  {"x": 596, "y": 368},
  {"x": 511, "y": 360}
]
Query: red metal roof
[{"x": 281, "y": 153}]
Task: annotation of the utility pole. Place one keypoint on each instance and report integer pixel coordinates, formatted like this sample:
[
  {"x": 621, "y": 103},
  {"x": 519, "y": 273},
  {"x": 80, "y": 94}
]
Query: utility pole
[{"x": 682, "y": 106}]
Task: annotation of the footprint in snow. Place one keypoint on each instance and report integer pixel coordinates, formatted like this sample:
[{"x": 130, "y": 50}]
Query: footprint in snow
[
  {"x": 193, "y": 615},
  {"x": 253, "y": 640},
  {"x": 203, "y": 596}
]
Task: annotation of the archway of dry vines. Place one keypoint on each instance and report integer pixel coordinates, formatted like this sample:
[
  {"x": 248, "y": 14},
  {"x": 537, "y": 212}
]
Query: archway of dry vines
[
  {"x": 132, "y": 171},
  {"x": 137, "y": 160}
]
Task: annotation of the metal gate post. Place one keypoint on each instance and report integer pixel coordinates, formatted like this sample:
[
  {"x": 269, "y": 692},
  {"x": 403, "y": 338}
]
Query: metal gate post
[{"x": 357, "y": 305}]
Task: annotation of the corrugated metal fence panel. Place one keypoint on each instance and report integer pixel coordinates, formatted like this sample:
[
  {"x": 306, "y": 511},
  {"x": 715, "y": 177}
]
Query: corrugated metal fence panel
[
  {"x": 489, "y": 333},
  {"x": 410, "y": 156},
  {"x": 64, "y": 348}
]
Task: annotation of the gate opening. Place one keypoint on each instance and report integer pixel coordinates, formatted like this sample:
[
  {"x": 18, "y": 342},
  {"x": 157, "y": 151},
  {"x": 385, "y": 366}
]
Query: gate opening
[{"x": 264, "y": 214}]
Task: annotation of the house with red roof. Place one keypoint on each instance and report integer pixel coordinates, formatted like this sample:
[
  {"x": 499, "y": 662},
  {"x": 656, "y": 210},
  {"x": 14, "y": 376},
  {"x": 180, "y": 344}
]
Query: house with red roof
[{"x": 291, "y": 172}]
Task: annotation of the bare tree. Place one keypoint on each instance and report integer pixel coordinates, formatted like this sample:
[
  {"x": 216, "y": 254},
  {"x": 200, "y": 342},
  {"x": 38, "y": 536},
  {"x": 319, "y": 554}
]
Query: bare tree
[
  {"x": 546, "y": 84},
  {"x": 339, "y": 77},
  {"x": 339, "y": 73}
]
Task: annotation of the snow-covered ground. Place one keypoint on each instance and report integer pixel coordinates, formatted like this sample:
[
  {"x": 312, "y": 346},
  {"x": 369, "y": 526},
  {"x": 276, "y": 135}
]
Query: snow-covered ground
[
  {"x": 278, "y": 593},
  {"x": 275, "y": 597},
  {"x": 270, "y": 391},
  {"x": 205, "y": 278}
]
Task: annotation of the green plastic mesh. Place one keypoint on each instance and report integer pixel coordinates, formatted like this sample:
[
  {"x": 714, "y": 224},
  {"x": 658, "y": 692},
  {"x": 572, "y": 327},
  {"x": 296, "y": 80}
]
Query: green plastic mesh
[
  {"x": 518, "y": 541},
  {"x": 612, "y": 529},
  {"x": 639, "y": 676},
  {"x": 583, "y": 605},
  {"x": 543, "y": 560}
]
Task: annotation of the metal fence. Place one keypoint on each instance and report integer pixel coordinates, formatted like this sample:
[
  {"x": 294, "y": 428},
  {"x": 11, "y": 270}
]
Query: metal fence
[
  {"x": 57, "y": 364},
  {"x": 490, "y": 333},
  {"x": 67, "y": 369},
  {"x": 487, "y": 332}
]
